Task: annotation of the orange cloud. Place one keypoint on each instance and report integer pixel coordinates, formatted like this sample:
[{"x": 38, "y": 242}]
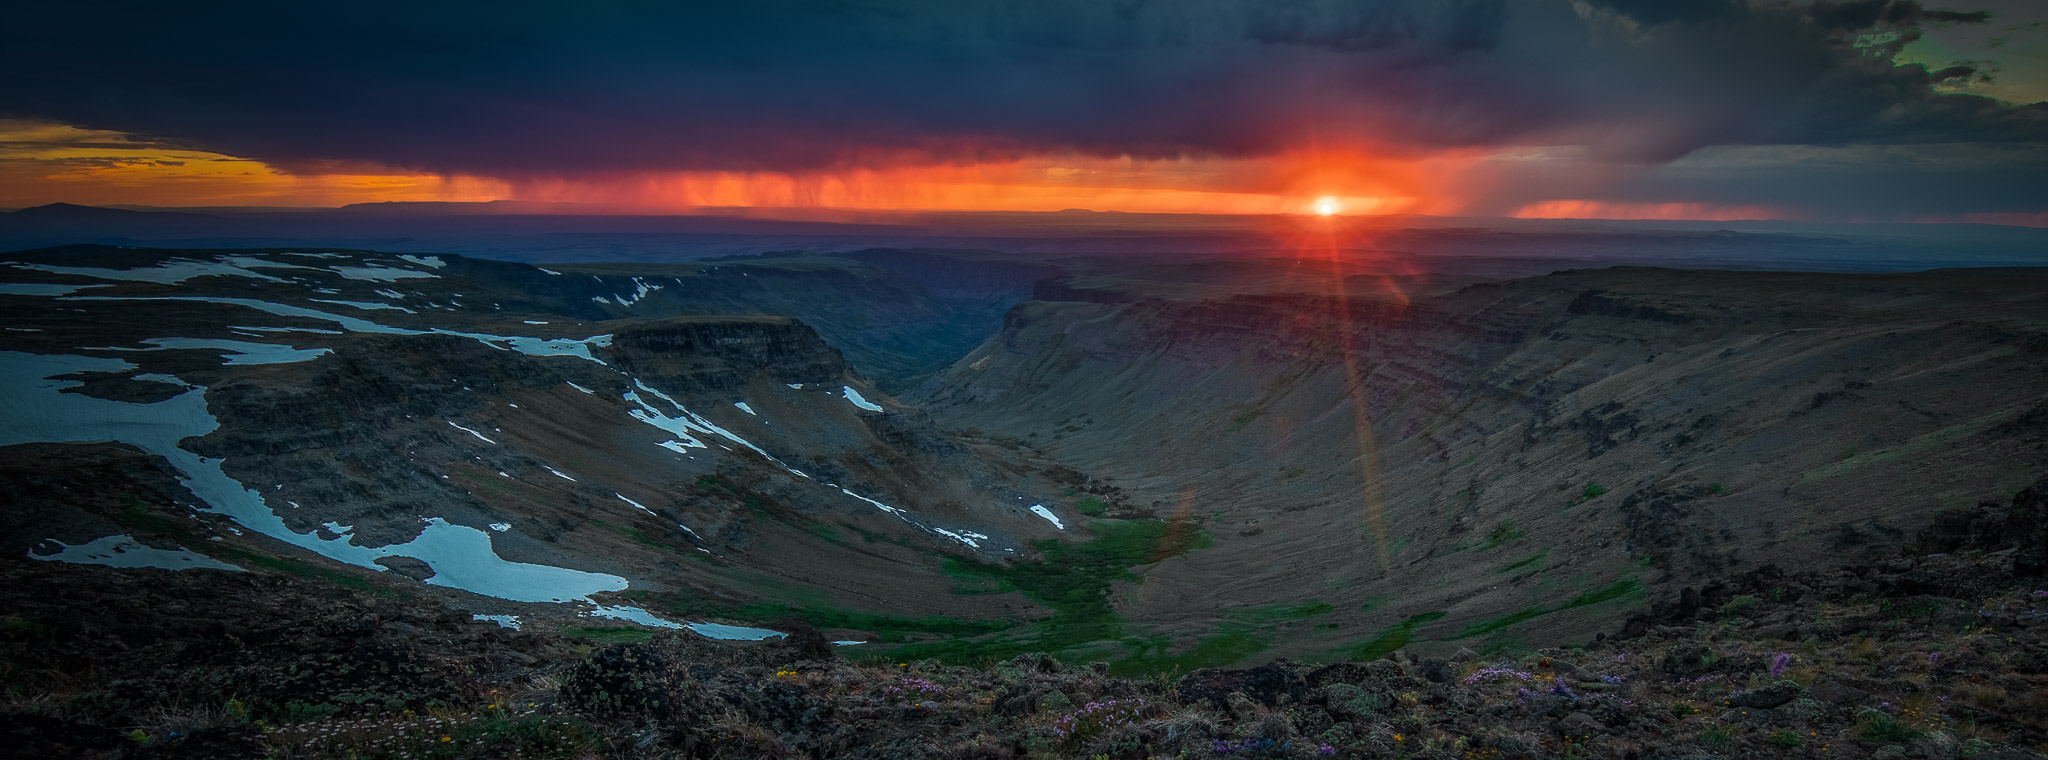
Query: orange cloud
[
  {"x": 1291, "y": 183},
  {"x": 1580, "y": 209},
  {"x": 43, "y": 163}
]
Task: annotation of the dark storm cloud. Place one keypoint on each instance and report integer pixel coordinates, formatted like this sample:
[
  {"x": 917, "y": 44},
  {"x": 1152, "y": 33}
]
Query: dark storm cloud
[
  {"x": 1355, "y": 26},
  {"x": 521, "y": 89}
]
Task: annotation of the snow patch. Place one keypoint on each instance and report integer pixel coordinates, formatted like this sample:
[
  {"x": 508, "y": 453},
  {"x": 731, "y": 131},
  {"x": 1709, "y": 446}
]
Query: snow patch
[
  {"x": 285, "y": 329},
  {"x": 638, "y": 505},
  {"x": 480, "y": 436},
  {"x": 425, "y": 261},
  {"x": 733, "y": 632},
  {"x": 169, "y": 272},
  {"x": 503, "y": 621},
  {"x": 640, "y": 290},
  {"x": 743, "y": 407},
  {"x": 631, "y": 614},
  {"x": 1041, "y": 511},
  {"x": 878, "y": 505},
  {"x": 501, "y": 527},
  {"x": 237, "y": 351},
  {"x": 364, "y": 305},
  {"x": 859, "y": 400},
  {"x": 530, "y": 346},
  {"x": 686, "y": 425},
  {"x": 968, "y": 540},
  {"x": 41, "y": 288},
  {"x": 123, "y": 551}
]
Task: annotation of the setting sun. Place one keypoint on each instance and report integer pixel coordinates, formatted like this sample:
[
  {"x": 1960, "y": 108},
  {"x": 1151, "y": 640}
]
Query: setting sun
[{"x": 1326, "y": 207}]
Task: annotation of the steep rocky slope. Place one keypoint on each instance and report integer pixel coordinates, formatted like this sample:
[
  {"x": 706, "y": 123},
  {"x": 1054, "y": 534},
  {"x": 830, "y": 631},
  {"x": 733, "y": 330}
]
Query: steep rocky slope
[
  {"x": 1515, "y": 462},
  {"x": 468, "y": 425}
]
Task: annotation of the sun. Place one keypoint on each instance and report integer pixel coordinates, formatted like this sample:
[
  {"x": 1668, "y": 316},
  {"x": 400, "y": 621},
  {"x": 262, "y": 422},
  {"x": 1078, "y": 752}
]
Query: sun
[{"x": 1326, "y": 206}]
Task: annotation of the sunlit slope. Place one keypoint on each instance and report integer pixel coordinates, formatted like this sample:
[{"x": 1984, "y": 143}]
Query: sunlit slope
[{"x": 1521, "y": 461}]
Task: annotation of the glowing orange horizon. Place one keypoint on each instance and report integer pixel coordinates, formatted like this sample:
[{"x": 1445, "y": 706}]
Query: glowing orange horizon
[{"x": 43, "y": 163}]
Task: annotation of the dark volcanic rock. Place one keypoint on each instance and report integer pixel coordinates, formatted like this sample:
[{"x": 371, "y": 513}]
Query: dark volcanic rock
[
  {"x": 32, "y": 735},
  {"x": 408, "y": 567},
  {"x": 1836, "y": 692},
  {"x": 1268, "y": 685},
  {"x": 1765, "y": 698}
]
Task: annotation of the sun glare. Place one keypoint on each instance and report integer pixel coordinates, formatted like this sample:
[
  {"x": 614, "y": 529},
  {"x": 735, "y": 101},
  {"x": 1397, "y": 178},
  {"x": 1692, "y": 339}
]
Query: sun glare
[{"x": 1326, "y": 207}]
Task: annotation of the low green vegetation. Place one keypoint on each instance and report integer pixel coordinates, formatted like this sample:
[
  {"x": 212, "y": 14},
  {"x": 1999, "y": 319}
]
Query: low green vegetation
[
  {"x": 639, "y": 536},
  {"x": 1092, "y": 507},
  {"x": 1490, "y": 625},
  {"x": 1531, "y": 562},
  {"x": 1500, "y": 534},
  {"x": 1282, "y": 613},
  {"x": 823, "y": 531},
  {"x": 1616, "y": 590},
  {"x": 715, "y": 484},
  {"x": 139, "y": 517},
  {"x": 1393, "y": 637},
  {"x": 1917, "y": 446},
  {"x": 822, "y": 614},
  {"x": 306, "y": 570},
  {"x": 1229, "y": 646},
  {"x": 1877, "y": 727},
  {"x": 1074, "y": 580}
]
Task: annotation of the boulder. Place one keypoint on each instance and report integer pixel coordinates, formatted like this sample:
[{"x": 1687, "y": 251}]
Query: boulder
[{"x": 1268, "y": 685}]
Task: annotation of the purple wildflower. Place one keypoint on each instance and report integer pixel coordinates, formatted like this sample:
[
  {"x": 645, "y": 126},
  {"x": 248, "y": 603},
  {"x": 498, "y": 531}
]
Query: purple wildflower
[{"x": 1779, "y": 663}]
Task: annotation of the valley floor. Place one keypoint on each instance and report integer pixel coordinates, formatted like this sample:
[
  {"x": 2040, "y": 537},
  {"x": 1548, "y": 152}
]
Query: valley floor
[{"x": 1924, "y": 655}]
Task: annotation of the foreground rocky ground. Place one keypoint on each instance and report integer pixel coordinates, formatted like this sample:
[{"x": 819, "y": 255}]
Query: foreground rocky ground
[{"x": 1938, "y": 652}]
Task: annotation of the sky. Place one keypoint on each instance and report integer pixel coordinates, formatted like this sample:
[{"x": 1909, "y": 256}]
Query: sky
[{"x": 1867, "y": 110}]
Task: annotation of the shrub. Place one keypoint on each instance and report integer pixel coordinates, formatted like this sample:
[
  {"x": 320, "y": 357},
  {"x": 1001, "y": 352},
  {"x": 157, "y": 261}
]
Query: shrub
[
  {"x": 1501, "y": 534},
  {"x": 1983, "y": 694},
  {"x": 1738, "y": 605},
  {"x": 1878, "y": 728}
]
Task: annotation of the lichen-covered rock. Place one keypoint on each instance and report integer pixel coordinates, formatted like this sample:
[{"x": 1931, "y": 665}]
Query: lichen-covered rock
[{"x": 623, "y": 679}]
